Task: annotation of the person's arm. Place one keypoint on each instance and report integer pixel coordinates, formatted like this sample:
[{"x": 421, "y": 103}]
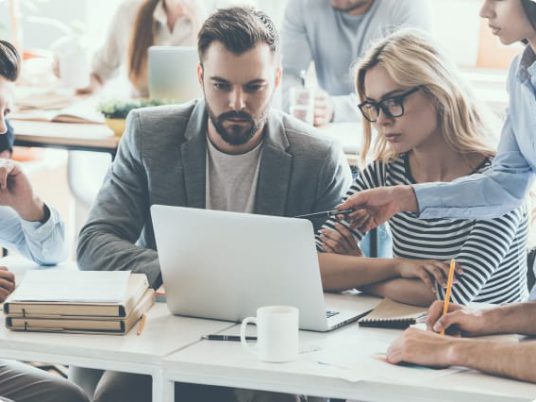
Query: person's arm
[
  {"x": 513, "y": 360},
  {"x": 507, "y": 319},
  {"x": 374, "y": 275},
  {"x": 108, "y": 239},
  {"x": 28, "y": 225},
  {"x": 343, "y": 272},
  {"x": 296, "y": 53},
  {"x": 44, "y": 242},
  {"x": 488, "y": 195},
  {"x": 107, "y": 60},
  {"x": 403, "y": 290}
]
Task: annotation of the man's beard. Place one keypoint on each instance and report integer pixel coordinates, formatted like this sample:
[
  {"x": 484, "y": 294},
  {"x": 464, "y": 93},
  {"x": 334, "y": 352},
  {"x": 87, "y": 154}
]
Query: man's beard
[{"x": 236, "y": 134}]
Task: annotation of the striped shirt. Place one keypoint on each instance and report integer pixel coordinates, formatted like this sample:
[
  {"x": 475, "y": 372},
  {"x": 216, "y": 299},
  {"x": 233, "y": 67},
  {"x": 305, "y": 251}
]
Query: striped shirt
[{"x": 492, "y": 253}]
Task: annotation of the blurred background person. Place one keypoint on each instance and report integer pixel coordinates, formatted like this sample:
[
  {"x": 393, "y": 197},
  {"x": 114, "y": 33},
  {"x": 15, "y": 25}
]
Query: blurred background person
[
  {"x": 333, "y": 35},
  {"x": 138, "y": 25}
]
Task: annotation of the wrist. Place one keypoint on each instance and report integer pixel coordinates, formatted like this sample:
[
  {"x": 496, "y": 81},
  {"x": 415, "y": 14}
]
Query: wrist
[
  {"x": 407, "y": 199},
  {"x": 490, "y": 318},
  {"x": 395, "y": 265},
  {"x": 457, "y": 351},
  {"x": 36, "y": 211}
]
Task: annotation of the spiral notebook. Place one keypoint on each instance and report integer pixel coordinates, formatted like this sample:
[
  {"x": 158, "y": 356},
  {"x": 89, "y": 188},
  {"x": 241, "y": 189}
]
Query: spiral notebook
[{"x": 391, "y": 314}]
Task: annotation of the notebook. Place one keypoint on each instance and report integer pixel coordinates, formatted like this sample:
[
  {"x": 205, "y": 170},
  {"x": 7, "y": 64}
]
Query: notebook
[
  {"x": 391, "y": 314},
  {"x": 81, "y": 324},
  {"x": 73, "y": 114},
  {"x": 27, "y": 301}
]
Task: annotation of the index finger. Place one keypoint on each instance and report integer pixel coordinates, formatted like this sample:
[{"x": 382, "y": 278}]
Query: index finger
[
  {"x": 355, "y": 202},
  {"x": 434, "y": 313},
  {"x": 345, "y": 232},
  {"x": 10, "y": 276}
]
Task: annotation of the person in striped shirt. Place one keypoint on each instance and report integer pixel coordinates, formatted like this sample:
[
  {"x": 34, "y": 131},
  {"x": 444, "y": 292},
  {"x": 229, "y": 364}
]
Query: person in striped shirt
[{"x": 429, "y": 128}]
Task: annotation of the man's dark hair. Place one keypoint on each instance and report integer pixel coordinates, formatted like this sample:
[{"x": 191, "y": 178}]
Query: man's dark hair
[
  {"x": 9, "y": 61},
  {"x": 239, "y": 29}
]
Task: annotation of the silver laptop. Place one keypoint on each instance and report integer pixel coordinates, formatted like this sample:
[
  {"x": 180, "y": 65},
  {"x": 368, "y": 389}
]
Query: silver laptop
[
  {"x": 224, "y": 265},
  {"x": 172, "y": 73}
]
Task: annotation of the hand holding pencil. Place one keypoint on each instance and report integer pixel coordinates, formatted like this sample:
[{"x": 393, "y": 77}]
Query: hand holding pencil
[{"x": 459, "y": 319}]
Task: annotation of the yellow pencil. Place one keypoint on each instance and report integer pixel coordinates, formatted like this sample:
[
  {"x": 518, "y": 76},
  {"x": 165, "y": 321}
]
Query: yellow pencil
[
  {"x": 141, "y": 324},
  {"x": 449, "y": 287}
]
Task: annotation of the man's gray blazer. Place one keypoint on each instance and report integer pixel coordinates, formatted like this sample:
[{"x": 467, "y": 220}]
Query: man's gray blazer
[{"x": 162, "y": 160}]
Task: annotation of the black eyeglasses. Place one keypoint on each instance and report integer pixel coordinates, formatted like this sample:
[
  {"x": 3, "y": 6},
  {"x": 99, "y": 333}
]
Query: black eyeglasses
[{"x": 391, "y": 107}]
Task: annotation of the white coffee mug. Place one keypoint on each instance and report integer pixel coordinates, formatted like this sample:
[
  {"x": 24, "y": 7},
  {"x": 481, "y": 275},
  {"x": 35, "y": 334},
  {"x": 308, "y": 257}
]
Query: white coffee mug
[{"x": 277, "y": 333}]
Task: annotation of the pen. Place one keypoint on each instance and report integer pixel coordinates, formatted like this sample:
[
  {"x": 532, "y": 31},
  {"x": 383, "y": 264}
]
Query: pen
[
  {"x": 141, "y": 326},
  {"x": 449, "y": 287},
  {"x": 233, "y": 338},
  {"x": 326, "y": 214}
]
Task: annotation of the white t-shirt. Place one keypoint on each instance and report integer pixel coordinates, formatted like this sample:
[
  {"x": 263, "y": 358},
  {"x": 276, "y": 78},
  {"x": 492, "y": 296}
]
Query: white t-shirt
[{"x": 231, "y": 180}]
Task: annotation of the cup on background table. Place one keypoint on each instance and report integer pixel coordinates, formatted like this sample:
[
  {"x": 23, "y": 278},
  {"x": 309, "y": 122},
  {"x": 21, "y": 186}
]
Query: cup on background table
[
  {"x": 277, "y": 333},
  {"x": 302, "y": 104}
]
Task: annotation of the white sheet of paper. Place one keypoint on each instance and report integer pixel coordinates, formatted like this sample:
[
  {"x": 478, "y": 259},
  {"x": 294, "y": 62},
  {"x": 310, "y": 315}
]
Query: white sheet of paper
[
  {"x": 355, "y": 364},
  {"x": 61, "y": 285}
]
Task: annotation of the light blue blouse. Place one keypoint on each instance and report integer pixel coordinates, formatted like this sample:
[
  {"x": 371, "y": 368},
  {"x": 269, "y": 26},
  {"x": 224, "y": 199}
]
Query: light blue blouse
[{"x": 504, "y": 186}]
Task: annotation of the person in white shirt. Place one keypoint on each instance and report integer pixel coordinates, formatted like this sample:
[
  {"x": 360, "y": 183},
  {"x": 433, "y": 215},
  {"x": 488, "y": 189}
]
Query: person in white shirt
[
  {"x": 37, "y": 231},
  {"x": 137, "y": 25}
]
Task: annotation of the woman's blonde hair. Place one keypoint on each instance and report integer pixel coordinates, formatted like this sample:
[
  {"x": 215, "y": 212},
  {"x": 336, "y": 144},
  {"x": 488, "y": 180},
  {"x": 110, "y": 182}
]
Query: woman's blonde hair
[{"x": 413, "y": 60}]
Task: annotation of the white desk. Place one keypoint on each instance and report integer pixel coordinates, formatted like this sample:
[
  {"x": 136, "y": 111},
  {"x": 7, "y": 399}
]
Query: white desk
[
  {"x": 163, "y": 335},
  {"x": 348, "y": 370},
  {"x": 338, "y": 364}
]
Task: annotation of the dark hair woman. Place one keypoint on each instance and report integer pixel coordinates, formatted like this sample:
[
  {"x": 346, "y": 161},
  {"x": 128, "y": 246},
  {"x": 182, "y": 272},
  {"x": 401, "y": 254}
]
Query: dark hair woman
[{"x": 137, "y": 25}]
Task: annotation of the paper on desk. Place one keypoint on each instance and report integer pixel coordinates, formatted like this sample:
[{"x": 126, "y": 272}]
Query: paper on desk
[
  {"x": 360, "y": 364},
  {"x": 60, "y": 285}
]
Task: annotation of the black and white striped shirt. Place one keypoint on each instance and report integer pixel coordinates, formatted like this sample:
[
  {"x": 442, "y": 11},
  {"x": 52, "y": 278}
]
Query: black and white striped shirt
[{"x": 492, "y": 253}]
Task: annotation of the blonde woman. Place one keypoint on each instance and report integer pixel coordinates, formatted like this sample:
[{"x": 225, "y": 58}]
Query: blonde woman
[{"x": 429, "y": 128}]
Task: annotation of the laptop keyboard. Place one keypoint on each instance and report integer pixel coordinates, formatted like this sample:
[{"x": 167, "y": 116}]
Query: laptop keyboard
[{"x": 330, "y": 313}]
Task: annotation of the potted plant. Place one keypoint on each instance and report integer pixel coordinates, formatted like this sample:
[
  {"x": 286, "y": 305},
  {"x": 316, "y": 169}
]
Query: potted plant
[{"x": 115, "y": 112}]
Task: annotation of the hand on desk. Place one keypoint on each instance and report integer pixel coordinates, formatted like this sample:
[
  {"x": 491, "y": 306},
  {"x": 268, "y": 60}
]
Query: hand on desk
[
  {"x": 7, "y": 283},
  {"x": 16, "y": 192},
  {"x": 421, "y": 347}
]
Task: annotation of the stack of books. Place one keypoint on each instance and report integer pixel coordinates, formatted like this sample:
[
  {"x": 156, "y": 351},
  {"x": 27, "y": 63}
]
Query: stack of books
[{"x": 64, "y": 300}]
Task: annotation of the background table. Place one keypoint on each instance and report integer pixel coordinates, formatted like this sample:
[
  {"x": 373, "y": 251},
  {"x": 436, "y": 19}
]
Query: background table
[{"x": 69, "y": 136}]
